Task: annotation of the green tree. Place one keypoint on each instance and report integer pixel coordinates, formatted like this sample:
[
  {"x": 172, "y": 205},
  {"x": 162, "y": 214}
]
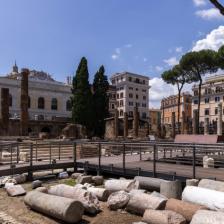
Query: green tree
[
  {"x": 221, "y": 57},
  {"x": 177, "y": 76},
  {"x": 100, "y": 101},
  {"x": 82, "y": 96},
  {"x": 197, "y": 64}
]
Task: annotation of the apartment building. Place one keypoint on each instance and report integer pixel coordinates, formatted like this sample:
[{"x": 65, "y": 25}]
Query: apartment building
[
  {"x": 212, "y": 93},
  {"x": 170, "y": 104},
  {"x": 132, "y": 90}
]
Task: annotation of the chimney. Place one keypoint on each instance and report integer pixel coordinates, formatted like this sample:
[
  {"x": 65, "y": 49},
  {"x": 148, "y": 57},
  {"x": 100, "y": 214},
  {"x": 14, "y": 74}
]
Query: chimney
[{"x": 24, "y": 102}]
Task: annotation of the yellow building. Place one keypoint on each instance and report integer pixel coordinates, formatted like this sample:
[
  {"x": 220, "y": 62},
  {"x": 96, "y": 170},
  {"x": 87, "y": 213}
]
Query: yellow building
[{"x": 170, "y": 105}]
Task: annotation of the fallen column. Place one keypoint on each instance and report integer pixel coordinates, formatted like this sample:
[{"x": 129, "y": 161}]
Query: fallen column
[
  {"x": 149, "y": 183},
  {"x": 121, "y": 184},
  {"x": 163, "y": 217},
  {"x": 186, "y": 209},
  {"x": 65, "y": 209},
  {"x": 212, "y": 184},
  {"x": 89, "y": 201},
  {"x": 138, "y": 203},
  {"x": 101, "y": 193},
  {"x": 211, "y": 199},
  {"x": 118, "y": 200},
  {"x": 171, "y": 189},
  {"x": 208, "y": 217}
]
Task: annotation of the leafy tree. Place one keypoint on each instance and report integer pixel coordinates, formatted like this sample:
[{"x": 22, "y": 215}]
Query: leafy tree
[
  {"x": 81, "y": 98},
  {"x": 221, "y": 57},
  {"x": 100, "y": 101},
  {"x": 177, "y": 76},
  {"x": 197, "y": 64}
]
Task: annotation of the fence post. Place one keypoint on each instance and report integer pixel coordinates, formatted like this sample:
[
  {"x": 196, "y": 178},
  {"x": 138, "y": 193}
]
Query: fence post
[
  {"x": 124, "y": 158},
  {"x": 50, "y": 153},
  {"x": 17, "y": 153},
  {"x": 154, "y": 159},
  {"x": 194, "y": 161},
  {"x": 74, "y": 157},
  {"x": 59, "y": 151},
  {"x": 30, "y": 172},
  {"x": 99, "y": 159},
  {"x": 36, "y": 151},
  {"x": 140, "y": 153}
]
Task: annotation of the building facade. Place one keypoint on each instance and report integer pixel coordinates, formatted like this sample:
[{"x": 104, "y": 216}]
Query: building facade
[
  {"x": 132, "y": 90},
  {"x": 170, "y": 105},
  {"x": 212, "y": 93},
  {"x": 48, "y": 99}
]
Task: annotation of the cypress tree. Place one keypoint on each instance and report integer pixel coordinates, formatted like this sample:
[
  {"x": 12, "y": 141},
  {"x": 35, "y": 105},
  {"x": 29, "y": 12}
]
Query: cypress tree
[
  {"x": 82, "y": 96},
  {"x": 100, "y": 101}
]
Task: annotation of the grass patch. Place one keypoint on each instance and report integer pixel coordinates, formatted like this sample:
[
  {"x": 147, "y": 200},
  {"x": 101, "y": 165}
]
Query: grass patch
[{"x": 70, "y": 182}]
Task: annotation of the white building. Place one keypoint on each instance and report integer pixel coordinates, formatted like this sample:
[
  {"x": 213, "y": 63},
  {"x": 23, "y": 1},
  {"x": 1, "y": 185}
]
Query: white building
[
  {"x": 132, "y": 91},
  {"x": 48, "y": 99}
]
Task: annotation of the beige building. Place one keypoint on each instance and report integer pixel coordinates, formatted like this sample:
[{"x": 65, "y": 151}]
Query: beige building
[
  {"x": 170, "y": 105},
  {"x": 132, "y": 90},
  {"x": 212, "y": 93},
  {"x": 48, "y": 99}
]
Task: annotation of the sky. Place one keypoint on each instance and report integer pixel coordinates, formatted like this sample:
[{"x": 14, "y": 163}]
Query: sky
[{"x": 141, "y": 36}]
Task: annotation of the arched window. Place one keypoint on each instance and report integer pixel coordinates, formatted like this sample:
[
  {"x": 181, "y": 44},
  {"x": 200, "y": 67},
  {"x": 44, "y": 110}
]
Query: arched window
[
  {"x": 29, "y": 102},
  {"x": 54, "y": 104},
  {"x": 10, "y": 100},
  {"x": 41, "y": 103},
  {"x": 68, "y": 105}
]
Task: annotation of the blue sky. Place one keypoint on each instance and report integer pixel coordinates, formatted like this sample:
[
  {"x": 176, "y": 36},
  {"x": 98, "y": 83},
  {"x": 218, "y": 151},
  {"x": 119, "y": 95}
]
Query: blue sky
[{"x": 142, "y": 36}]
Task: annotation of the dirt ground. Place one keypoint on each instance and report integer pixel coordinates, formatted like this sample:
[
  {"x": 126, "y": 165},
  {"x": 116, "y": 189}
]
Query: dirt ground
[{"x": 15, "y": 207}]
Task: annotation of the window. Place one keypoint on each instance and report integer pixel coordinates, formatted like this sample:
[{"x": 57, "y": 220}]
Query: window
[
  {"x": 144, "y": 91},
  {"x": 195, "y": 101},
  {"x": 130, "y": 95},
  {"x": 10, "y": 100},
  {"x": 143, "y": 81},
  {"x": 121, "y": 95},
  {"x": 144, "y": 105},
  {"x": 29, "y": 102},
  {"x": 131, "y": 88},
  {"x": 217, "y": 99},
  {"x": 41, "y": 103},
  {"x": 137, "y": 104},
  {"x": 121, "y": 113},
  {"x": 206, "y": 111},
  {"x": 117, "y": 96},
  {"x": 122, "y": 87},
  {"x": 121, "y": 103},
  {"x": 130, "y": 113},
  {"x": 130, "y": 103},
  {"x": 136, "y": 89},
  {"x": 54, "y": 104},
  {"x": 216, "y": 110},
  {"x": 112, "y": 106},
  {"x": 69, "y": 105},
  {"x": 144, "y": 97},
  {"x": 137, "y": 80},
  {"x": 130, "y": 79},
  {"x": 144, "y": 115},
  {"x": 206, "y": 100},
  {"x": 136, "y": 96}
]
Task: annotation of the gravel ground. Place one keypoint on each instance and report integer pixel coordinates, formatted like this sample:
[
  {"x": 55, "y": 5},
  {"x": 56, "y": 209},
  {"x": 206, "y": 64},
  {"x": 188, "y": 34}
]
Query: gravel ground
[{"x": 16, "y": 209}]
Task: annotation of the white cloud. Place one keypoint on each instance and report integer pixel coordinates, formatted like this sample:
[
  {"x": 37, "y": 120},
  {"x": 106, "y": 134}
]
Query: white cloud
[
  {"x": 159, "y": 89},
  {"x": 115, "y": 56},
  {"x": 213, "y": 40},
  {"x": 158, "y": 68},
  {"x": 171, "y": 61},
  {"x": 199, "y": 2},
  {"x": 209, "y": 14},
  {"x": 128, "y": 45},
  {"x": 179, "y": 49},
  {"x": 145, "y": 59}
]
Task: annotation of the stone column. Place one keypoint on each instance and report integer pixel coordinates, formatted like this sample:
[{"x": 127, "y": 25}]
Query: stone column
[
  {"x": 195, "y": 122},
  {"x": 173, "y": 124},
  {"x": 206, "y": 126},
  {"x": 219, "y": 121},
  {"x": 5, "y": 110},
  {"x": 116, "y": 123},
  {"x": 183, "y": 123},
  {"x": 24, "y": 118},
  {"x": 125, "y": 124},
  {"x": 136, "y": 122}
]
